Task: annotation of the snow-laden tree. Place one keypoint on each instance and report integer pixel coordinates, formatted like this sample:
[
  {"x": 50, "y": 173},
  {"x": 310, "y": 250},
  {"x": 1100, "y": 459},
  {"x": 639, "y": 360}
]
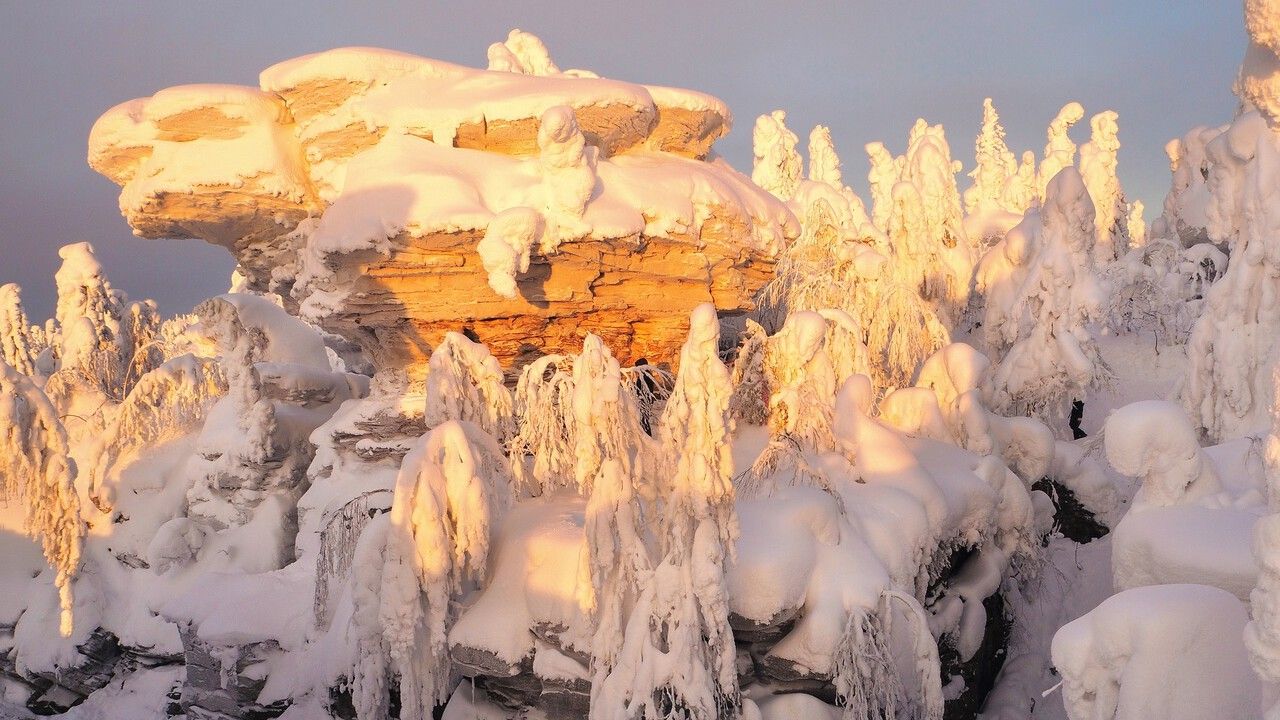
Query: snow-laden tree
[
  {"x": 678, "y": 657},
  {"x": 1059, "y": 150},
  {"x": 545, "y": 425},
  {"x": 777, "y": 165},
  {"x": 848, "y": 354},
  {"x": 957, "y": 379},
  {"x": 821, "y": 268},
  {"x": 919, "y": 260},
  {"x": 1248, "y": 293},
  {"x": 929, "y": 167},
  {"x": 825, "y": 183},
  {"x": 885, "y": 172},
  {"x": 994, "y": 165},
  {"x": 1183, "y": 215},
  {"x": 523, "y": 53},
  {"x": 826, "y": 270},
  {"x": 750, "y": 402},
  {"x": 592, "y": 431},
  {"x": 606, "y": 421},
  {"x": 1232, "y": 345},
  {"x": 450, "y": 491},
  {"x": 1021, "y": 190},
  {"x": 249, "y": 459},
  {"x": 824, "y": 163},
  {"x": 146, "y": 347},
  {"x": 1001, "y": 278},
  {"x": 85, "y": 293},
  {"x": 939, "y": 250},
  {"x": 18, "y": 347},
  {"x": 1259, "y": 80},
  {"x": 1098, "y": 168},
  {"x": 802, "y": 379},
  {"x": 465, "y": 382},
  {"x": 167, "y": 402},
  {"x": 572, "y": 414},
  {"x": 1052, "y": 358},
  {"x": 92, "y": 340},
  {"x": 1136, "y": 225},
  {"x": 38, "y": 473},
  {"x": 370, "y": 674},
  {"x": 241, "y": 345}
]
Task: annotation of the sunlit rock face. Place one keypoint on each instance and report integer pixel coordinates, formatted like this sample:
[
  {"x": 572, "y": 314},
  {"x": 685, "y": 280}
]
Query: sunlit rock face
[{"x": 392, "y": 198}]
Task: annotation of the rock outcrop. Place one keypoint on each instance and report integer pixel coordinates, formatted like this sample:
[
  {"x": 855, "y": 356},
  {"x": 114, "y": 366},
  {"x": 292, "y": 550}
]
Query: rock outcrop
[{"x": 391, "y": 198}]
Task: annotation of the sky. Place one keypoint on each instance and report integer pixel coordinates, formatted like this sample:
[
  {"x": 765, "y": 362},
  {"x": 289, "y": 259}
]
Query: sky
[{"x": 865, "y": 68}]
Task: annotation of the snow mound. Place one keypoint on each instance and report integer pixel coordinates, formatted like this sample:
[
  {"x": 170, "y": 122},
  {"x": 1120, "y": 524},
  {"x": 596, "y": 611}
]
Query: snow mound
[{"x": 1169, "y": 651}]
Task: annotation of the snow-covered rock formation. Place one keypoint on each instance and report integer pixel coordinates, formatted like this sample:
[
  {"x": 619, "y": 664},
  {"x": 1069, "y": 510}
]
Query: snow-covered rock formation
[
  {"x": 525, "y": 404},
  {"x": 392, "y": 198}
]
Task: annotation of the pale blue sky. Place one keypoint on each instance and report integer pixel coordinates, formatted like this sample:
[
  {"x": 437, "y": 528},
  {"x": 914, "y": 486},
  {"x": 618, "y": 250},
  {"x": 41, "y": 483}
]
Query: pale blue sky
[{"x": 867, "y": 69}]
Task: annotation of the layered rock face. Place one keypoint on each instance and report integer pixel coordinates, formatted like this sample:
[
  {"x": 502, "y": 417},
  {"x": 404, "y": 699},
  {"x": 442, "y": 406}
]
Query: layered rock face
[{"x": 392, "y": 198}]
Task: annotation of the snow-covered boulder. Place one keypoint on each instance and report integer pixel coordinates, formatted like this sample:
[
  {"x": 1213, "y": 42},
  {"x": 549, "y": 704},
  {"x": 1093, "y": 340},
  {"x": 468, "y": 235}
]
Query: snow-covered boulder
[
  {"x": 1169, "y": 651},
  {"x": 1192, "y": 519}
]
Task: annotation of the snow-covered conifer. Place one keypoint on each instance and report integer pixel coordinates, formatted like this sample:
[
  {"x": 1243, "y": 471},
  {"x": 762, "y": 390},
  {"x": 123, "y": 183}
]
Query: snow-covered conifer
[
  {"x": 93, "y": 342},
  {"x": 1258, "y": 82},
  {"x": 802, "y": 380},
  {"x": 777, "y": 164},
  {"x": 917, "y": 260},
  {"x": 824, "y": 163},
  {"x": 1233, "y": 348},
  {"x": 885, "y": 172},
  {"x": 606, "y": 420},
  {"x": 678, "y": 658},
  {"x": 1135, "y": 225},
  {"x": 545, "y": 425},
  {"x": 939, "y": 224},
  {"x": 165, "y": 403},
  {"x": 18, "y": 348},
  {"x": 450, "y": 490},
  {"x": 1021, "y": 191},
  {"x": 820, "y": 271},
  {"x": 750, "y": 402},
  {"x": 1059, "y": 150},
  {"x": 1001, "y": 277},
  {"x": 994, "y": 165},
  {"x": 1098, "y": 168},
  {"x": 1054, "y": 359},
  {"x": 1232, "y": 345},
  {"x": 241, "y": 347}
]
